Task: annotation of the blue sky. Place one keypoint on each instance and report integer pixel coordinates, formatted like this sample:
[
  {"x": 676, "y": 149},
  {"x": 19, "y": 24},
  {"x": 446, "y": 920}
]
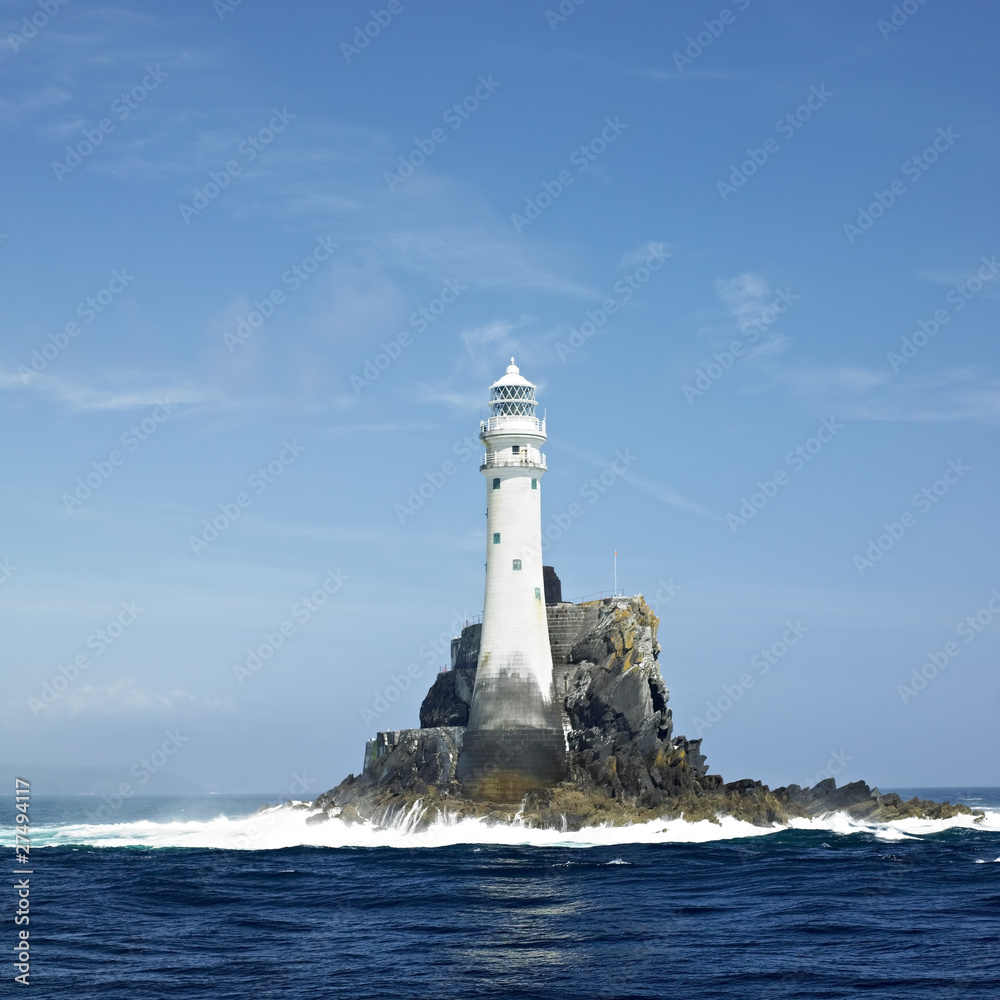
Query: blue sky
[{"x": 754, "y": 253}]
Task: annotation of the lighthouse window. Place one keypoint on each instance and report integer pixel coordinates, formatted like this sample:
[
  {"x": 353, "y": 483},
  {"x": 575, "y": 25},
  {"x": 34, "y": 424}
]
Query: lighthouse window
[
  {"x": 516, "y": 449},
  {"x": 538, "y": 593},
  {"x": 517, "y": 564},
  {"x": 496, "y": 537},
  {"x": 534, "y": 484},
  {"x": 496, "y": 484}
]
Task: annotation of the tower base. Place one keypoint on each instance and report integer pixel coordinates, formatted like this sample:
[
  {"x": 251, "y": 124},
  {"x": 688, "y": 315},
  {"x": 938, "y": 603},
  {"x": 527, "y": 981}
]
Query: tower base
[{"x": 502, "y": 765}]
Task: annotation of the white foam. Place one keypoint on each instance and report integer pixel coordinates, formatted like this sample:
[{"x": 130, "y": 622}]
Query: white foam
[
  {"x": 286, "y": 826},
  {"x": 900, "y": 829}
]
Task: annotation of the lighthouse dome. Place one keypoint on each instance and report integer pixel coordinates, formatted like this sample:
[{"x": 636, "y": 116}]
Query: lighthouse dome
[{"x": 512, "y": 376}]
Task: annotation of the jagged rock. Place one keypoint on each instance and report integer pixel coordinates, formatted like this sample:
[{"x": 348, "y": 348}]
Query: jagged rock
[
  {"x": 399, "y": 764},
  {"x": 414, "y": 758},
  {"x": 862, "y": 802},
  {"x": 625, "y": 764},
  {"x": 447, "y": 702}
]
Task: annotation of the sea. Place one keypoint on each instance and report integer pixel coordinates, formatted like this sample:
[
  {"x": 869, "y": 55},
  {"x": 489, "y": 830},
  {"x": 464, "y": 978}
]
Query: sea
[{"x": 209, "y": 896}]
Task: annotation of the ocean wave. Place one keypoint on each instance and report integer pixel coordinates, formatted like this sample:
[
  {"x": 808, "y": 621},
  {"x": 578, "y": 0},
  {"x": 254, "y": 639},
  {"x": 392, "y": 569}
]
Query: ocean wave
[{"x": 286, "y": 826}]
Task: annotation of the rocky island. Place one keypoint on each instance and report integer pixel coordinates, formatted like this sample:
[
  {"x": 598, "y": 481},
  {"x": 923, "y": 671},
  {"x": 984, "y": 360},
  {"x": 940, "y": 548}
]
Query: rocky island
[{"x": 625, "y": 765}]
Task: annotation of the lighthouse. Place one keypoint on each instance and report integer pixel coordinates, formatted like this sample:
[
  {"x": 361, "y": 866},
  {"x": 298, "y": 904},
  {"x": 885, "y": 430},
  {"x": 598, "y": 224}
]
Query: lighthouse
[{"x": 514, "y": 739}]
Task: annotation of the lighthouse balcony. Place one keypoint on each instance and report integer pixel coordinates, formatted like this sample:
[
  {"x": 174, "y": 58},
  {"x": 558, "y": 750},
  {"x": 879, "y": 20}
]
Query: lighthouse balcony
[
  {"x": 528, "y": 458},
  {"x": 512, "y": 423}
]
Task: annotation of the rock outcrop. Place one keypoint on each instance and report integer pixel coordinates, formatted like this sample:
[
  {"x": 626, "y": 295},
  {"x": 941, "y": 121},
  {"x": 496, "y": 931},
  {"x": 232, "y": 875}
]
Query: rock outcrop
[{"x": 625, "y": 764}]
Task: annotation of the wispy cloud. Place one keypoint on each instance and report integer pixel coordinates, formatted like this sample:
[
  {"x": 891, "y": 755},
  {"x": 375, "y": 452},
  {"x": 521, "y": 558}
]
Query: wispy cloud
[
  {"x": 480, "y": 255},
  {"x": 774, "y": 343},
  {"x": 17, "y": 109},
  {"x": 988, "y": 289},
  {"x": 124, "y": 697},
  {"x": 79, "y": 396},
  {"x": 493, "y": 340},
  {"x": 945, "y": 396},
  {"x": 665, "y": 494},
  {"x": 640, "y": 253},
  {"x": 488, "y": 350},
  {"x": 822, "y": 381},
  {"x": 745, "y": 296}
]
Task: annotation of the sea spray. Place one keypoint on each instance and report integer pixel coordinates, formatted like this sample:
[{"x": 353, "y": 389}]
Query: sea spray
[{"x": 298, "y": 825}]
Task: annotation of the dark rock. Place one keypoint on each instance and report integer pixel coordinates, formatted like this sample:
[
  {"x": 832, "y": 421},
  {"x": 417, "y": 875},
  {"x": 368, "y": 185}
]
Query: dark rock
[
  {"x": 447, "y": 702},
  {"x": 863, "y": 802},
  {"x": 625, "y": 764},
  {"x": 552, "y": 585}
]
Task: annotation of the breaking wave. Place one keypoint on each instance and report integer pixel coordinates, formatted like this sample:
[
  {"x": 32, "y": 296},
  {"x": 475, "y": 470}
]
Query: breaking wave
[{"x": 297, "y": 825}]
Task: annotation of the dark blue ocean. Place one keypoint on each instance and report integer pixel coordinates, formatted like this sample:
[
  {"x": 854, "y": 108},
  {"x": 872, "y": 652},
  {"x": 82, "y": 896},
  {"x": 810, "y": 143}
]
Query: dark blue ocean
[{"x": 198, "y": 898}]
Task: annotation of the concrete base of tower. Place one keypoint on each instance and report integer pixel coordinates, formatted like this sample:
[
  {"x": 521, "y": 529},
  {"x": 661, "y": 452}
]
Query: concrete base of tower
[{"x": 501, "y": 765}]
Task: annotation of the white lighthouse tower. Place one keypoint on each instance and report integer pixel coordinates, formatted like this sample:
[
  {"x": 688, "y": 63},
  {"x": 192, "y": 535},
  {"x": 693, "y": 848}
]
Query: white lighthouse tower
[{"x": 514, "y": 739}]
